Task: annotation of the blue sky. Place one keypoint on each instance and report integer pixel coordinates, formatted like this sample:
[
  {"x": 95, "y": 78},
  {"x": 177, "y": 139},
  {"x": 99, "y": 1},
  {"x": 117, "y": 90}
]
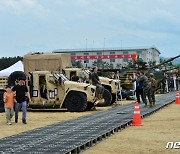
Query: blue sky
[{"x": 46, "y": 25}]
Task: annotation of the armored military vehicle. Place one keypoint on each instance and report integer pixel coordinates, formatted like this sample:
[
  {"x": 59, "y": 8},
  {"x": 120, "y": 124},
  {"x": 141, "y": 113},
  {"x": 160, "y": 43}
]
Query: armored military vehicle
[
  {"x": 54, "y": 90},
  {"x": 60, "y": 61},
  {"x": 126, "y": 82},
  {"x": 112, "y": 86}
]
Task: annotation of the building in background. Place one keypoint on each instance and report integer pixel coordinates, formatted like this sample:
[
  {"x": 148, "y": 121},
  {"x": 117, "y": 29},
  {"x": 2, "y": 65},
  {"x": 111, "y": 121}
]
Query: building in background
[{"x": 113, "y": 56}]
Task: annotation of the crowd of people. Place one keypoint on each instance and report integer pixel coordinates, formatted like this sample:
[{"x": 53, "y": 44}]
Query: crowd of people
[
  {"x": 168, "y": 83},
  {"x": 15, "y": 98},
  {"x": 145, "y": 88}
]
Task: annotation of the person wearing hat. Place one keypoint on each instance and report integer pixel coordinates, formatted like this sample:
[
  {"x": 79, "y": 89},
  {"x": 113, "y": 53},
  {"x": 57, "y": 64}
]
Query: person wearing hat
[
  {"x": 20, "y": 99},
  {"x": 146, "y": 88},
  {"x": 9, "y": 104},
  {"x": 154, "y": 85}
]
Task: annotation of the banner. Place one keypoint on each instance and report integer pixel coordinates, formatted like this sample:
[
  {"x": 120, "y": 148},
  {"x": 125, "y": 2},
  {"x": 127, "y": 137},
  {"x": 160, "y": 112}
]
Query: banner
[{"x": 93, "y": 57}]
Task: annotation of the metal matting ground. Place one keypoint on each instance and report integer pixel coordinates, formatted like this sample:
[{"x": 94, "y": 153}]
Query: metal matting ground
[{"x": 74, "y": 136}]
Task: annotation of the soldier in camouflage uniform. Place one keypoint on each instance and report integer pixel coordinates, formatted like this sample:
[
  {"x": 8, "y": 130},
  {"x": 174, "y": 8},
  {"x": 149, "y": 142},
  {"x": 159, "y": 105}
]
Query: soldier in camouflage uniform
[
  {"x": 153, "y": 88},
  {"x": 146, "y": 89}
]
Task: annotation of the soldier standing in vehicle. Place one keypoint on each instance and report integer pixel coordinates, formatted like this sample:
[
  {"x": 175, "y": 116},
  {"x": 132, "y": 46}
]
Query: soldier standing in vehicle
[
  {"x": 153, "y": 88},
  {"x": 146, "y": 88}
]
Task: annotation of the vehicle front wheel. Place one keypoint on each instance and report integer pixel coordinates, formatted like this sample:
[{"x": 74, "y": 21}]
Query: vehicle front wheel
[
  {"x": 76, "y": 102},
  {"x": 90, "y": 106},
  {"x": 107, "y": 98}
]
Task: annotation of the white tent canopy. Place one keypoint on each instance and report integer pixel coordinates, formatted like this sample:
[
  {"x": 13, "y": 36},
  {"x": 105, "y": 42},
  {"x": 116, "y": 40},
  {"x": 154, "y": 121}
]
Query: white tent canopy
[{"x": 15, "y": 67}]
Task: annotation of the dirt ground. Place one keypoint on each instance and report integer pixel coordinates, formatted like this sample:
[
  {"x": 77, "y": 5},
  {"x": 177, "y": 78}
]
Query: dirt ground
[
  {"x": 152, "y": 137},
  {"x": 157, "y": 130}
]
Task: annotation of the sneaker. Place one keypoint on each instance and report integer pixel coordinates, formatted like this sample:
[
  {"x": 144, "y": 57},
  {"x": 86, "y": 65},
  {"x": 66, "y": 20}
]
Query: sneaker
[
  {"x": 24, "y": 122},
  {"x": 9, "y": 123}
]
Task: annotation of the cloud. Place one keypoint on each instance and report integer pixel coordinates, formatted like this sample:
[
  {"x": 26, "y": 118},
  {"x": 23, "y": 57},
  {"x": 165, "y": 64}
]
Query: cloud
[
  {"x": 21, "y": 7},
  {"x": 51, "y": 24}
]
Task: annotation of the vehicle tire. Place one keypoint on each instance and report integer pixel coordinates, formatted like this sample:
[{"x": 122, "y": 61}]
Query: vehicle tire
[
  {"x": 90, "y": 105},
  {"x": 14, "y": 76},
  {"x": 107, "y": 98},
  {"x": 113, "y": 98},
  {"x": 76, "y": 102}
]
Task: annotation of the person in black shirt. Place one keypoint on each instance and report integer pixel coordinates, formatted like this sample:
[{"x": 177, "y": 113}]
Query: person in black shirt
[
  {"x": 96, "y": 82},
  {"x": 95, "y": 77},
  {"x": 20, "y": 101}
]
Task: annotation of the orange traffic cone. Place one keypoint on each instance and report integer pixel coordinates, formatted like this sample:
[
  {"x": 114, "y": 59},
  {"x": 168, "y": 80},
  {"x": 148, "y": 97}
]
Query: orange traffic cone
[
  {"x": 136, "y": 117},
  {"x": 177, "y": 100}
]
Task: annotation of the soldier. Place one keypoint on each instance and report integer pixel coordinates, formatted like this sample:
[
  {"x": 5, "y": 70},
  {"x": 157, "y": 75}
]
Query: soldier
[
  {"x": 154, "y": 85},
  {"x": 146, "y": 88}
]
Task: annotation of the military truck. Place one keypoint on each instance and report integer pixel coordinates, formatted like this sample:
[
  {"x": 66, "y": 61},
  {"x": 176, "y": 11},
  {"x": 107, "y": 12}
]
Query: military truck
[
  {"x": 54, "y": 90},
  {"x": 112, "y": 89},
  {"x": 58, "y": 62}
]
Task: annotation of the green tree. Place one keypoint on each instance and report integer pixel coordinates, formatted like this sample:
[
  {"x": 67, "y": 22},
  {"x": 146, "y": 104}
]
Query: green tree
[{"x": 6, "y": 62}]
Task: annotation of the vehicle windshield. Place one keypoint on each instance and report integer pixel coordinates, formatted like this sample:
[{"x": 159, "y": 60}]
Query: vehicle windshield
[
  {"x": 88, "y": 71},
  {"x": 63, "y": 77}
]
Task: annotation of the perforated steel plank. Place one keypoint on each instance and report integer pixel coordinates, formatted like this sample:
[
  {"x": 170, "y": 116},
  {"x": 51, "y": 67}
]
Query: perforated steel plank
[{"x": 72, "y": 135}]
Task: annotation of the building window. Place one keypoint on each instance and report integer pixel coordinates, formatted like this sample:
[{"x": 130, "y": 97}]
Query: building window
[
  {"x": 73, "y": 61},
  {"x": 73, "y": 53},
  {"x": 112, "y": 60},
  {"x": 86, "y": 61},
  {"x": 125, "y": 52},
  {"x": 99, "y": 53},
  {"x": 125, "y": 59},
  {"x": 139, "y": 52},
  {"x": 86, "y": 54},
  {"x": 112, "y": 53},
  {"x": 99, "y": 61}
]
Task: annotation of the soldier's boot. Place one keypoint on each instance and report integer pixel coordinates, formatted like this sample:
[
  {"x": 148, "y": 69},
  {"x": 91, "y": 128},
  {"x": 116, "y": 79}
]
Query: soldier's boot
[{"x": 151, "y": 104}]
